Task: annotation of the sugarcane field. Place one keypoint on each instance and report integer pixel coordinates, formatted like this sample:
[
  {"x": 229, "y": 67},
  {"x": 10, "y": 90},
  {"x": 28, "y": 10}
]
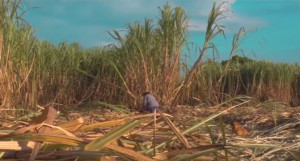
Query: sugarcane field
[{"x": 150, "y": 94}]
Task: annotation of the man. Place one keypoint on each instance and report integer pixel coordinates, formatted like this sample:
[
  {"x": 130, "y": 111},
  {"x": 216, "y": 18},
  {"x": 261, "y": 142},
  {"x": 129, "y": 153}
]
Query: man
[{"x": 150, "y": 103}]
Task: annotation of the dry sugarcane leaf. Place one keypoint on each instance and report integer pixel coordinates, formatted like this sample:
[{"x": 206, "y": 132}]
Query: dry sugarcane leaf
[
  {"x": 61, "y": 155},
  {"x": 169, "y": 155},
  {"x": 99, "y": 143},
  {"x": 110, "y": 158},
  {"x": 102, "y": 124},
  {"x": 16, "y": 145},
  {"x": 70, "y": 126},
  {"x": 201, "y": 139},
  {"x": 146, "y": 115},
  {"x": 132, "y": 154},
  {"x": 58, "y": 139},
  {"x": 144, "y": 137},
  {"x": 175, "y": 130},
  {"x": 189, "y": 130},
  {"x": 73, "y": 125},
  {"x": 48, "y": 116},
  {"x": 174, "y": 153},
  {"x": 58, "y": 130},
  {"x": 93, "y": 136},
  {"x": 164, "y": 156}
]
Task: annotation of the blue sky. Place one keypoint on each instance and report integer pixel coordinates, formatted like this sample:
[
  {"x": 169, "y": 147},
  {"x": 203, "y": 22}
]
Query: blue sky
[{"x": 274, "y": 24}]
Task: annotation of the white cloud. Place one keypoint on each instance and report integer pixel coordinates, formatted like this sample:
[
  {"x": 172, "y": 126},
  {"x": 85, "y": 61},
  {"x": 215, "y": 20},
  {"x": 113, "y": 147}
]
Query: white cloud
[
  {"x": 95, "y": 17},
  {"x": 237, "y": 21},
  {"x": 232, "y": 20},
  {"x": 226, "y": 5}
]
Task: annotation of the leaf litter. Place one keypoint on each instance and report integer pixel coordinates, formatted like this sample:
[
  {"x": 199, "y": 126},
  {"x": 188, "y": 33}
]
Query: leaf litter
[{"x": 106, "y": 134}]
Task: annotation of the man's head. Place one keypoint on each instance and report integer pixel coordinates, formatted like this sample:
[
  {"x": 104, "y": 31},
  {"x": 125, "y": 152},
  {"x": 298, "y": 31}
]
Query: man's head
[{"x": 145, "y": 93}]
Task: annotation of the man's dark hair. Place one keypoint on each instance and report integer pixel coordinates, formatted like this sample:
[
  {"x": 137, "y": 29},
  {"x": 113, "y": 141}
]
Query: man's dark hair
[{"x": 145, "y": 93}]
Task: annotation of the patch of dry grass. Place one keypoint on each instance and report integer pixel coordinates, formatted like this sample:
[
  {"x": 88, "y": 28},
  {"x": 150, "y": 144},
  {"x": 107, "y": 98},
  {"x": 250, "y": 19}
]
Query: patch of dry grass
[{"x": 265, "y": 141}]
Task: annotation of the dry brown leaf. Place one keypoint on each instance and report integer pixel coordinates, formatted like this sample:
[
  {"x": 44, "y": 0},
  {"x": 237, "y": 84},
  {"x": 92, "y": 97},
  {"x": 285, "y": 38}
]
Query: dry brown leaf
[
  {"x": 174, "y": 153},
  {"x": 48, "y": 116},
  {"x": 110, "y": 158},
  {"x": 175, "y": 130},
  {"x": 70, "y": 126},
  {"x": 16, "y": 145},
  {"x": 147, "y": 115},
  {"x": 57, "y": 130},
  {"x": 102, "y": 124}
]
